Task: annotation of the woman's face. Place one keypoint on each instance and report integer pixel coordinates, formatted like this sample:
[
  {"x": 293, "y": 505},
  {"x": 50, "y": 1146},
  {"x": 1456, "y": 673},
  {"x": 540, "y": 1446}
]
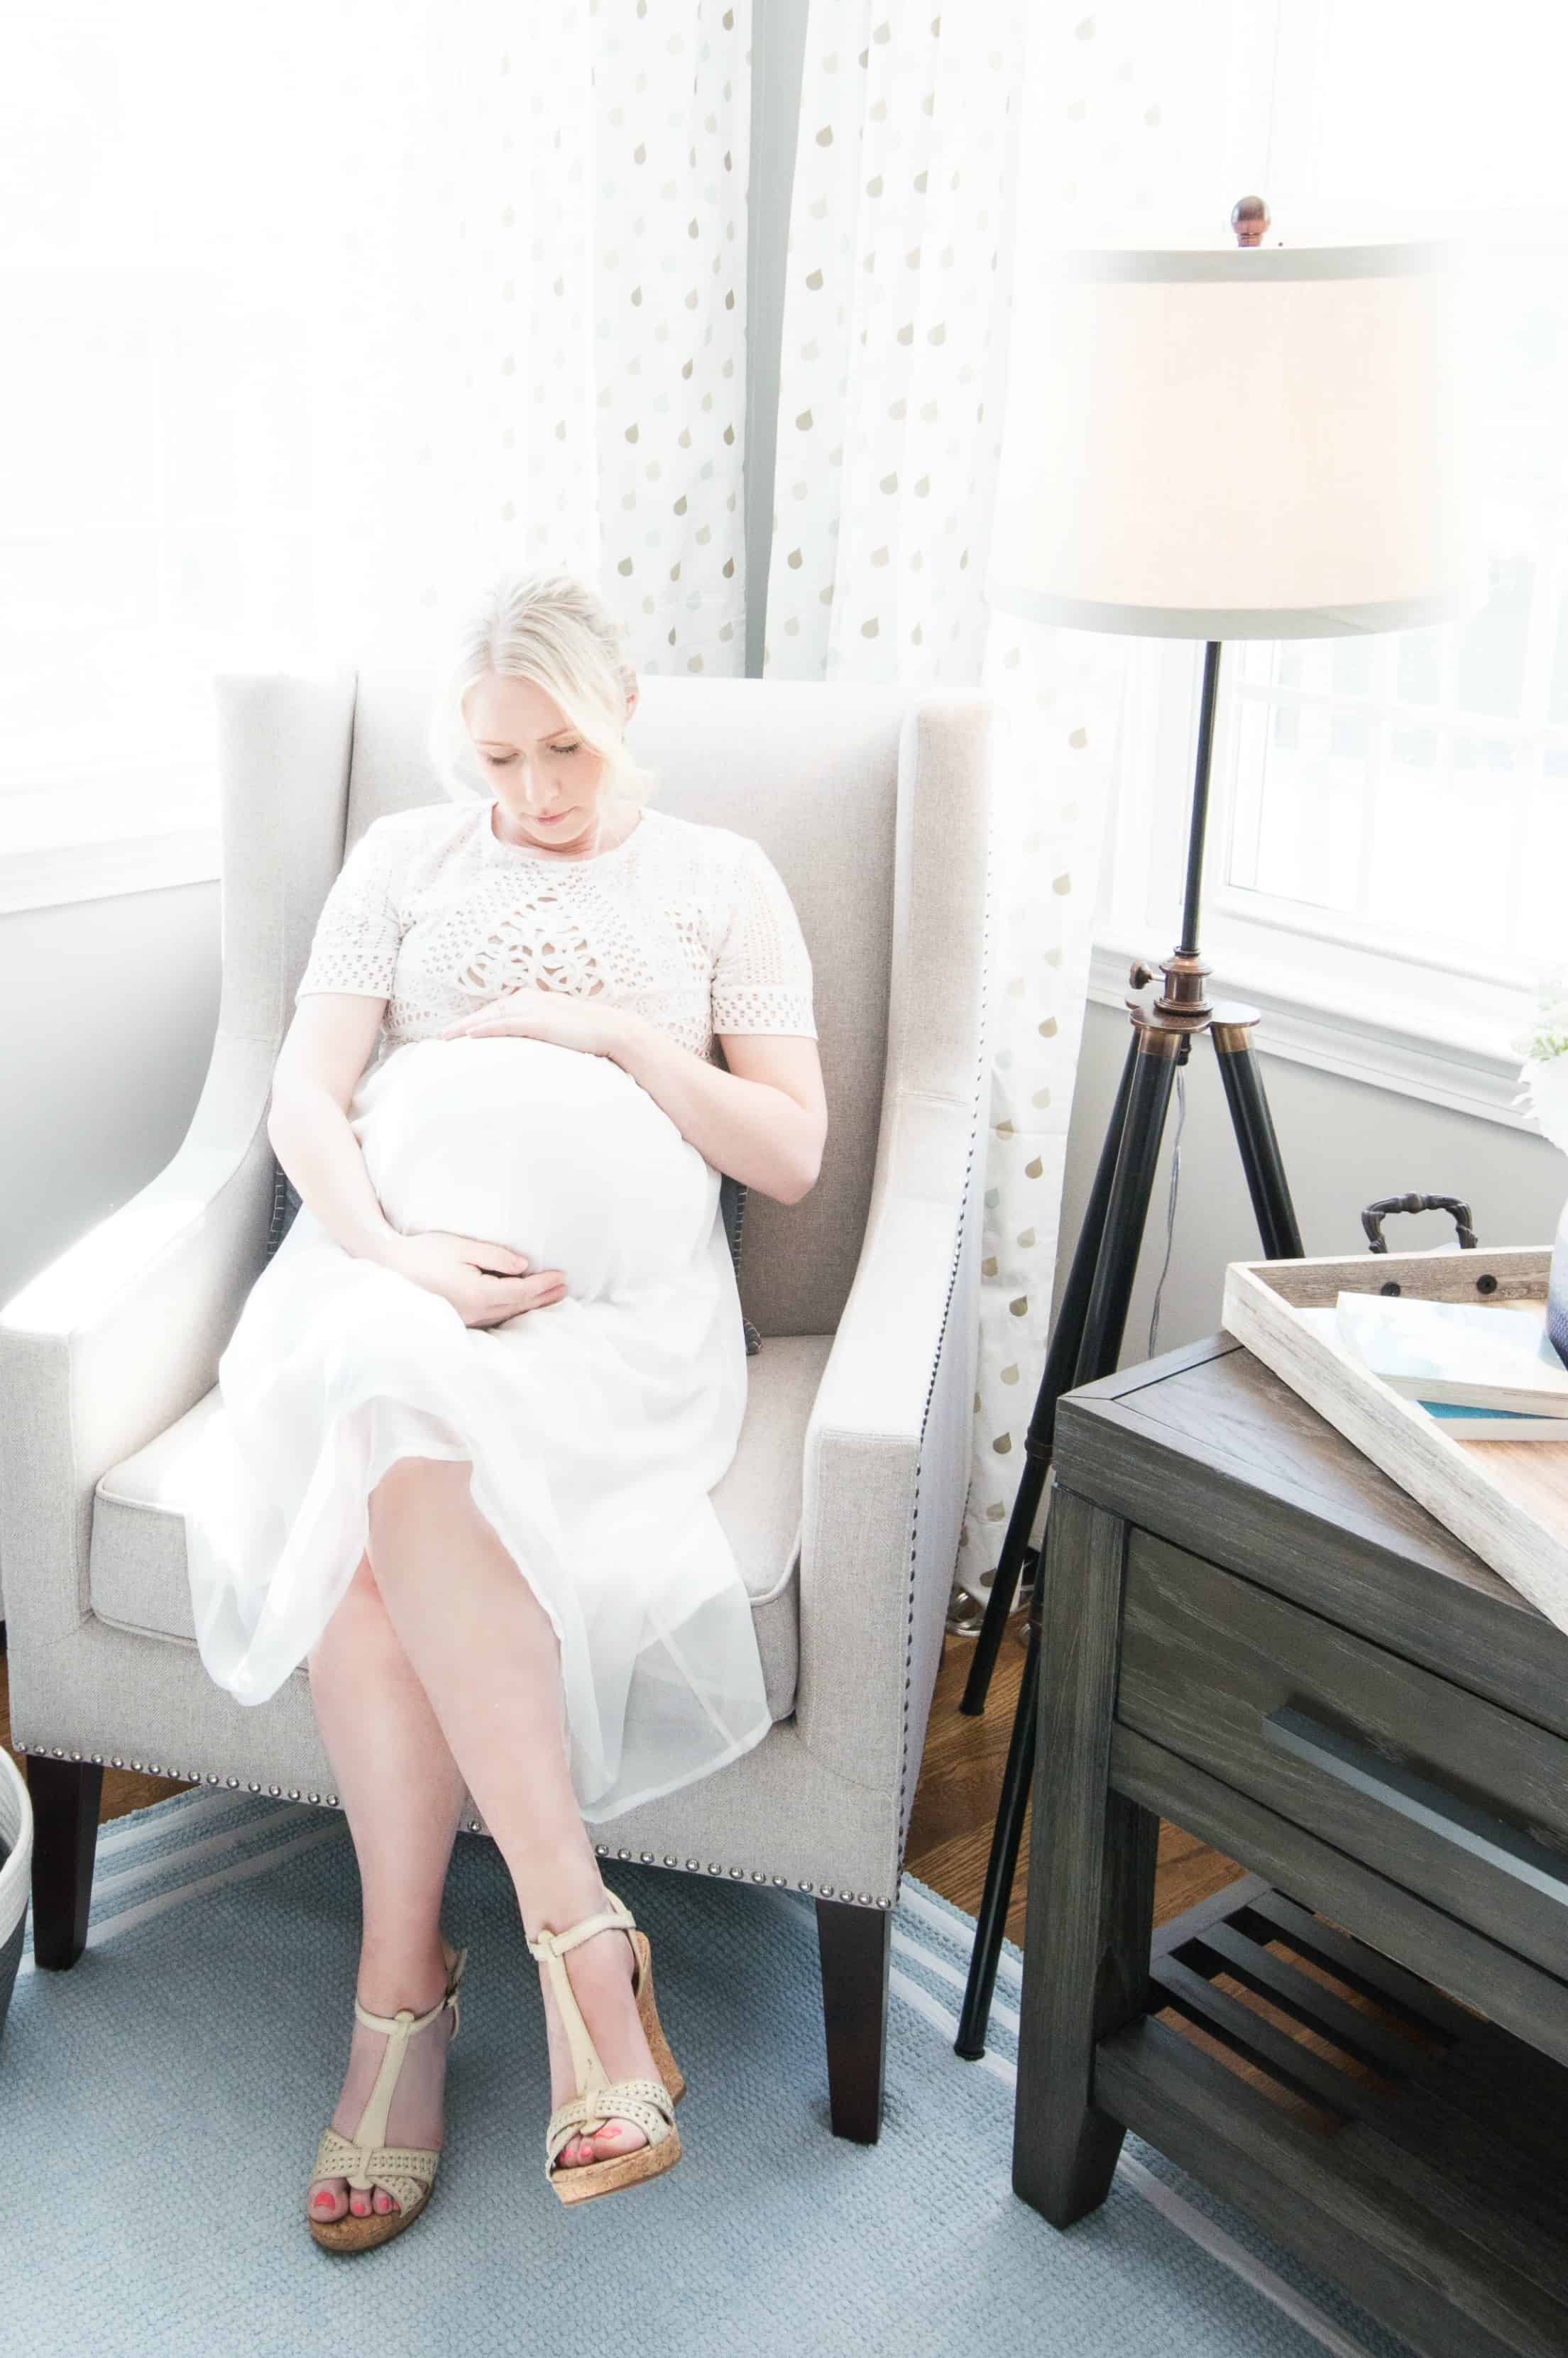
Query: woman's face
[{"x": 545, "y": 780}]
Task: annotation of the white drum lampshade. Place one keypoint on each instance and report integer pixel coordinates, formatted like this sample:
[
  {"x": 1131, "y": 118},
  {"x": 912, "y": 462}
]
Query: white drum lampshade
[{"x": 1253, "y": 442}]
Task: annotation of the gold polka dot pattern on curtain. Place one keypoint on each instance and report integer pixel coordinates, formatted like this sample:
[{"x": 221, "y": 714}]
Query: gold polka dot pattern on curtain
[{"x": 920, "y": 175}]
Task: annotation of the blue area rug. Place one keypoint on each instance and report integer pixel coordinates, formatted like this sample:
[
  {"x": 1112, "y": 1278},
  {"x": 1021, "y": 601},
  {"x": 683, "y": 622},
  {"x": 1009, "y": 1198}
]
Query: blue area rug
[{"x": 160, "y": 2103}]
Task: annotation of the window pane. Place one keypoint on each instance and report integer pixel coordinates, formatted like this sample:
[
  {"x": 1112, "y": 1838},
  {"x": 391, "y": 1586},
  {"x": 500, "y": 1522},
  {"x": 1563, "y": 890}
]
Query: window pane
[
  {"x": 1442, "y": 840},
  {"x": 1419, "y": 669},
  {"x": 1557, "y": 706},
  {"x": 1305, "y": 814},
  {"x": 1543, "y": 900},
  {"x": 1488, "y": 656}
]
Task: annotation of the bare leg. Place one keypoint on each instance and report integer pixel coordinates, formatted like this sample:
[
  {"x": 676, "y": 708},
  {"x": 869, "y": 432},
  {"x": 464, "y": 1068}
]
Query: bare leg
[
  {"x": 403, "y": 1793},
  {"x": 490, "y": 1663}
]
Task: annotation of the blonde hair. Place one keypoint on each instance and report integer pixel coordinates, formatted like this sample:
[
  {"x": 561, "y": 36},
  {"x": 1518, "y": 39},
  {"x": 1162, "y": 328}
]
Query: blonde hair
[{"x": 555, "y": 631}]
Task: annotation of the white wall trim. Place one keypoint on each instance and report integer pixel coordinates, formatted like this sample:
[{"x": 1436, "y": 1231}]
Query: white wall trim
[
  {"x": 1384, "y": 1045},
  {"x": 147, "y": 862}
]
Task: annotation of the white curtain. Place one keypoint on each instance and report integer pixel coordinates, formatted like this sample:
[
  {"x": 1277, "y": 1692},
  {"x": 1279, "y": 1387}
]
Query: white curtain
[
  {"x": 930, "y": 145},
  {"x": 533, "y": 310},
  {"x": 320, "y": 313}
]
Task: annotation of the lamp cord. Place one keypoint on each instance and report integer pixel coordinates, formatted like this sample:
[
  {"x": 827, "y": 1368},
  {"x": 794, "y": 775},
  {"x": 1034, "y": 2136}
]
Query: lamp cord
[{"x": 1170, "y": 1204}]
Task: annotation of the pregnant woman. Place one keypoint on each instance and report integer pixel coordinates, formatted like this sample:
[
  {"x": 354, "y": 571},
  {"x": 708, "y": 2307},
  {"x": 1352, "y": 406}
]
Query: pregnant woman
[{"x": 474, "y": 1405}]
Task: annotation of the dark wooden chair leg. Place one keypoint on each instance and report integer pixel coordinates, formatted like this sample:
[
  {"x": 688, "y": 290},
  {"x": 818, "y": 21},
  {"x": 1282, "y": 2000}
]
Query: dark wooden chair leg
[
  {"x": 65, "y": 1795},
  {"x": 1091, "y": 1878},
  {"x": 856, "y": 1946}
]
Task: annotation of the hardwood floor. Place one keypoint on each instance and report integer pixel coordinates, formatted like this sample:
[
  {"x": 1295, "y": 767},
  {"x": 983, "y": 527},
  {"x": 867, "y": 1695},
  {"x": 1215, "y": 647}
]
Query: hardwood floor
[{"x": 955, "y": 1801}]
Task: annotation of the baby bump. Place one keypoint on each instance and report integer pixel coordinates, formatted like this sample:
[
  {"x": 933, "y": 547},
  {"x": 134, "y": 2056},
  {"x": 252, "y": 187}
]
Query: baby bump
[{"x": 558, "y": 1153}]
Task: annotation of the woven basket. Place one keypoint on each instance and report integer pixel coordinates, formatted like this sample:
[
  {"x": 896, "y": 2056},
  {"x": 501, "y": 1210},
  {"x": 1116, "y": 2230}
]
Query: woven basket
[{"x": 15, "y": 1871}]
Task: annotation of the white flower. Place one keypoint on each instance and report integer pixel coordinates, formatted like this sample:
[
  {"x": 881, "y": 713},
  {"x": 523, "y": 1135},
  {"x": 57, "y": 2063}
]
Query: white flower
[
  {"x": 1546, "y": 1037},
  {"x": 1544, "y": 1096}
]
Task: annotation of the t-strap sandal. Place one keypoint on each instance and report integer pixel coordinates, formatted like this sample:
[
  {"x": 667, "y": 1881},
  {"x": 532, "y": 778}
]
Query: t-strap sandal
[
  {"x": 407, "y": 2172},
  {"x": 649, "y": 2104}
]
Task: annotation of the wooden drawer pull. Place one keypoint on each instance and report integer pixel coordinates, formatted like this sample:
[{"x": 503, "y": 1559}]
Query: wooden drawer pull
[{"x": 1476, "y": 1831}]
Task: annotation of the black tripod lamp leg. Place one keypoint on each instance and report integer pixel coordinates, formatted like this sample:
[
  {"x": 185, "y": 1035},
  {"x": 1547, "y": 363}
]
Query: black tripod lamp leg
[
  {"x": 1154, "y": 1066},
  {"x": 990, "y": 1924},
  {"x": 1157, "y": 1052},
  {"x": 1061, "y": 1364},
  {"x": 1255, "y": 1139}
]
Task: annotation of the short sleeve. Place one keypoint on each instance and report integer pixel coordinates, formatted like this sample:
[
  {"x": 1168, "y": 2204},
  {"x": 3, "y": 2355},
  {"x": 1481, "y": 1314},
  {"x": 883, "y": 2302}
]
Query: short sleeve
[
  {"x": 761, "y": 973},
  {"x": 355, "y": 944}
]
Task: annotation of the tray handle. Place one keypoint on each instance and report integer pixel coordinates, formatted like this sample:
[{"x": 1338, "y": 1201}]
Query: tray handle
[{"x": 1374, "y": 1216}]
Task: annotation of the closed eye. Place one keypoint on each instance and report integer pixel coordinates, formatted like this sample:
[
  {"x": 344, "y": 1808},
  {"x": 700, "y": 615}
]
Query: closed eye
[{"x": 499, "y": 761}]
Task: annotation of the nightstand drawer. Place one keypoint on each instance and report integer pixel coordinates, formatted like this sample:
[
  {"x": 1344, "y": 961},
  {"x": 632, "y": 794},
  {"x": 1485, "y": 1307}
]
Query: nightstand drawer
[{"x": 1450, "y": 1796}]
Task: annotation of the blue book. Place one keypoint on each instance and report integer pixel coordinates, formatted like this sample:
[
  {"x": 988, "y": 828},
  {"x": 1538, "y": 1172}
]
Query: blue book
[{"x": 1495, "y": 1423}]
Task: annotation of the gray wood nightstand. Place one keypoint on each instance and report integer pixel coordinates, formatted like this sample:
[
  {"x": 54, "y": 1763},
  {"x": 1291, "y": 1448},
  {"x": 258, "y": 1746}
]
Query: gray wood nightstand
[{"x": 1251, "y": 1631}]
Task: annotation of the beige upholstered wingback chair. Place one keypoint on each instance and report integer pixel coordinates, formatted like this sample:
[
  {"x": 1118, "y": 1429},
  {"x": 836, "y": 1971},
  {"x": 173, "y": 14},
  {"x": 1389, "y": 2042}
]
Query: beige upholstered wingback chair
[{"x": 845, "y": 1498}]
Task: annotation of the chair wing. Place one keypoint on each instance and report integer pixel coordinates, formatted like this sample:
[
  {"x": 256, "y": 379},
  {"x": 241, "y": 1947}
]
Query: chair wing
[
  {"x": 121, "y": 1335},
  {"x": 888, "y": 1444}
]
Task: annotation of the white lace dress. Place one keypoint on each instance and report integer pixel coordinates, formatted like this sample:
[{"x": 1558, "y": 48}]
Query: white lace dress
[{"x": 596, "y": 1427}]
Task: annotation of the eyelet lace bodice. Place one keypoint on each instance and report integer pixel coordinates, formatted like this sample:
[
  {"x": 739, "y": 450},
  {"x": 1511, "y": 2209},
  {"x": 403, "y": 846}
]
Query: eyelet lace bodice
[{"x": 689, "y": 925}]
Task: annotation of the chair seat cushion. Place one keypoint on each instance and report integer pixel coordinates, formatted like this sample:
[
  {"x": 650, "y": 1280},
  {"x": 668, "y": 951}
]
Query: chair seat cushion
[{"x": 137, "y": 1571}]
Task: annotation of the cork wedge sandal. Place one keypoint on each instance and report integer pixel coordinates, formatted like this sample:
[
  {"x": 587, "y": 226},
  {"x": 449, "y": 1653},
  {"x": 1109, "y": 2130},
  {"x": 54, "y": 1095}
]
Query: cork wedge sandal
[
  {"x": 407, "y": 2172},
  {"x": 649, "y": 2104}
]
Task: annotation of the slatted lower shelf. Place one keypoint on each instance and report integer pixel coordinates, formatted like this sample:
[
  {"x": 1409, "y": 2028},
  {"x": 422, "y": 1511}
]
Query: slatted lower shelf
[{"x": 1422, "y": 2162}]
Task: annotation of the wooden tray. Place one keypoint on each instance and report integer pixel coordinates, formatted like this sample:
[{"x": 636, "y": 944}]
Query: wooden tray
[{"x": 1506, "y": 1499}]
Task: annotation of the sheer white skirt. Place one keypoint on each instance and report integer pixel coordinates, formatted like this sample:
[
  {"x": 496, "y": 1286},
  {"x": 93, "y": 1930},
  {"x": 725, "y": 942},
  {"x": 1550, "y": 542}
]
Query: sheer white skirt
[{"x": 595, "y": 1427}]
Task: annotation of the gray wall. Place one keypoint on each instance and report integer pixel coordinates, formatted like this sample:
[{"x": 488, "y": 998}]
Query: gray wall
[{"x": 1344, "y": 1143}]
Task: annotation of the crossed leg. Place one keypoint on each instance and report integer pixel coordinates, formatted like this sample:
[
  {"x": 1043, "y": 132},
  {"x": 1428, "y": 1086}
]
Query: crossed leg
[{"x": 441, "y": 1669}]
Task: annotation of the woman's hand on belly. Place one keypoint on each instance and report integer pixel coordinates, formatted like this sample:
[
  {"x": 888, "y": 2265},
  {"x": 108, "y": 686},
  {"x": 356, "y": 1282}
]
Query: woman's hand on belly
[
  {"x": 560, "y": 1017},
  {"x": 483, "y": 1282}
]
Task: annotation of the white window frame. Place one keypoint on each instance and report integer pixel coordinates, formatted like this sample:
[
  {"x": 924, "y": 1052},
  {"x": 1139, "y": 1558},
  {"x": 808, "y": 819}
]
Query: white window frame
[
  {"x": 141, "y": 857},
  {"x": 1389, "y": 1009}
]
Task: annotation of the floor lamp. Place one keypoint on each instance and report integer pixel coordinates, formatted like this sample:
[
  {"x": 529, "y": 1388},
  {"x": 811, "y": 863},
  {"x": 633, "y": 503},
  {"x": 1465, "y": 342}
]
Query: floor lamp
[{"x": 1206, "y": 444}]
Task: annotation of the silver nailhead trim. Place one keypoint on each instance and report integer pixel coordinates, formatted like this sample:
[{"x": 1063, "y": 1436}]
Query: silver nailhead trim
[
  {"x": 906, "y": 1797},
  {"x": 332, "y": 1801}
]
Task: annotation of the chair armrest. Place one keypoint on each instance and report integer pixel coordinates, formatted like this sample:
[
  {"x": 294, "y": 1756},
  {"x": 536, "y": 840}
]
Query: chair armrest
[
  {"x": 887, "y": 1462},
  {"x": 122, "y": 1333}
]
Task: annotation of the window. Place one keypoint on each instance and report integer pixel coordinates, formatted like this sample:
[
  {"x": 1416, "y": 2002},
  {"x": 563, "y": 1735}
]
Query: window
[
  {"x": 1388, "y": 832},
  {"x": 156, "y": 468},
  {"x": 143, "y": 534}
]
